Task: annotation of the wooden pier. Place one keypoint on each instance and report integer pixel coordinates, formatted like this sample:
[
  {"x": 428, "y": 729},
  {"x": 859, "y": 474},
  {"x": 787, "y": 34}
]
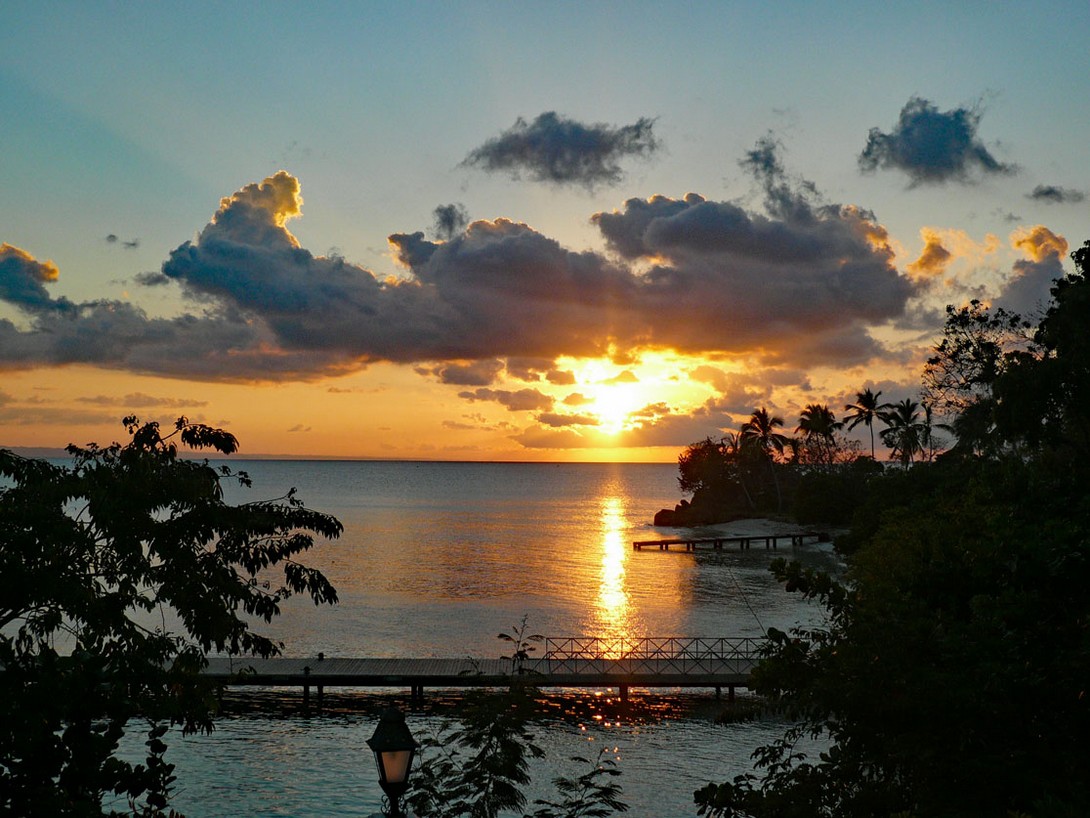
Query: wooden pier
[
  {"x": 741, "y": 543},
  {"x": 591, "y": 662}
]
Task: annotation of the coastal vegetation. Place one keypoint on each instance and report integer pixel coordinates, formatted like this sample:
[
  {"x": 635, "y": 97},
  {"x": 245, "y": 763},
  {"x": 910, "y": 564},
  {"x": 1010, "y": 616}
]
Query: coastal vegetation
[
  {"x": 121, "y": 573},
  {"x": 951, "y": 678}
]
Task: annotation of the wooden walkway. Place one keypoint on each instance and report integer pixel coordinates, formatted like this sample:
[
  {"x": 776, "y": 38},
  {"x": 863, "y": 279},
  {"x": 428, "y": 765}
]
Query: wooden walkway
[
  {"x": 742, "y": 543},
  {"x": 568, "y": 662}
]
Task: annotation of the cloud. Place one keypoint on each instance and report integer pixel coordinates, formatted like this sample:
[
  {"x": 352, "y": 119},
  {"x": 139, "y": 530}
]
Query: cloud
[
  {"x": 676, "y": 430},
  {"x": 738, "y": 392},
  {"x": 17, "y": 415},
  {"x": 474, "y": 373},
  {"x": 729, "y": 280},
  {"x": 524, "y": 400},
  {"x": 560, "y": 377},
  {"x": 117, "y": 334},
  {"x": 458, "y": 426},
  {"x": 138, "y": 400},
  {"x": 537, "y": 437},
  {"x": 626, "y": 376},
  {"x": 1028, "y": 290},
  {"x": 559, "y": 421},
  {"x": 1053, "y": 194},
  {"x": 23, "y": 280},
  {"x": 656, "y": 425},
  {"x": 932, "y": 146},
  {"x": 504, "y": 286},
  {"x": 449, "y": 220},
  {"x": 562, "y": 151},
  {"x": 1039, "y": 243},
  {"x": 934, "y": 257},
  {"x": 688, "y": 274}
]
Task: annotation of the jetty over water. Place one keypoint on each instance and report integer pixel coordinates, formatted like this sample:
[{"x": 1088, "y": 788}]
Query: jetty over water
[
  {"x": 741, "y": 543},
  {"x": 572, "y": 661}
]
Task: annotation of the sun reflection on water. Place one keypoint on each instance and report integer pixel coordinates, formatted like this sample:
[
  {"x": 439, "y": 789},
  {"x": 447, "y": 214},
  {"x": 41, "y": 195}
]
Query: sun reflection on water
[{"x": 614, "y": 619}]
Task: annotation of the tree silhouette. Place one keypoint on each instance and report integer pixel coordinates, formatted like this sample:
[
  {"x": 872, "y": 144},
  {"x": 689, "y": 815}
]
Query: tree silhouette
[
  {"x": 904, "y": 432},
  {"x": 818, "y": 427},
  {"x": 94, "y": 557},
  {"x": 760, "y": 431},
  {"x": 865, "y": 410}
]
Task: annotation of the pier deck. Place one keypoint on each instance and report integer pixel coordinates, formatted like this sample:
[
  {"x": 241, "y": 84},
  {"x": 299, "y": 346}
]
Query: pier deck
[
  {"x": 568, "y": 662},
  {"x": 742, "y": 543}
]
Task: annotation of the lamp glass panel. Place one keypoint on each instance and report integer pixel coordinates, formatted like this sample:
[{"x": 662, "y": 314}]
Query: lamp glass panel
[{"x": 397, "y": 765}]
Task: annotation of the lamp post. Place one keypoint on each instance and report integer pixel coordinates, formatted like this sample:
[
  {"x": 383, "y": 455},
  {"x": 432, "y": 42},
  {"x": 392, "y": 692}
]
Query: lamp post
[{"x": 394, "y": 748}]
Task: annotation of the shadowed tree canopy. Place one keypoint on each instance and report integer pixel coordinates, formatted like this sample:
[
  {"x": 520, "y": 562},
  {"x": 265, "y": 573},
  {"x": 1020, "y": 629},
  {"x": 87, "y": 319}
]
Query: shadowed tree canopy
[
  {"x": 950, "y": 678},
  {"x": 121, "y": 572}
]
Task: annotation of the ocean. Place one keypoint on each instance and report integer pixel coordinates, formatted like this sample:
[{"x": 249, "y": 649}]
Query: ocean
[{"x": 436, "y": 559}]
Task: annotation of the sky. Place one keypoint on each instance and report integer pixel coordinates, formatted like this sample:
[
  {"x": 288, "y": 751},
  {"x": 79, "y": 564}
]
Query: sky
[{"x": 495, "y": 231}]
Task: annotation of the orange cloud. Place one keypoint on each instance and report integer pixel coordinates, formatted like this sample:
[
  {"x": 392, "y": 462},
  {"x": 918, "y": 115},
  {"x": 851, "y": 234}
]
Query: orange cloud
[
  {"x": 39, "y": 270},
  {"x": 934, "y": 257},
  {"x": 278, "y": 196},
  {"x": 1039, "y": 243}
]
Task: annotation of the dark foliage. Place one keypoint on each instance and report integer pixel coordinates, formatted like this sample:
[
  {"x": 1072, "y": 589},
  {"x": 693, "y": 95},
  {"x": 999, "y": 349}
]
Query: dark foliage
[
  {"x": 952, "y": 678},
  {"x": 832, "y": 496},
  {"x": 97, "y": 558}
]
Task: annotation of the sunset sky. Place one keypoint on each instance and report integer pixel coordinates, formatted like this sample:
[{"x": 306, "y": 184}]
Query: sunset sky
[{"x": 494, "y": 231}]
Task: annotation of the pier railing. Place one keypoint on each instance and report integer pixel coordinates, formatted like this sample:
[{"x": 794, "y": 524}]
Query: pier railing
[{"x": 654, "y": 655}]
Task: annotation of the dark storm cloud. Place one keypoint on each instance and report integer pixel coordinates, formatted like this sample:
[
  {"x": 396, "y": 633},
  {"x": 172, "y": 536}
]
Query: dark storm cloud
[
  {"x": 932, "y": 146},
  {"x": 449, "y": 220},
  {"x": 691, "y": 274},
  {"x": 723, "y": 278},
  {"x": 1053, "y": 194},
  {"x": 562, "y": 151},
  {"x": 220, "y": 344},
  {"x": 506, "y": 289}
]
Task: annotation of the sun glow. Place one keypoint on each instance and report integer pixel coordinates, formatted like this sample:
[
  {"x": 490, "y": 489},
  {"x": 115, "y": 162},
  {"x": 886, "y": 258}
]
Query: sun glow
[
  {"x": 614, "y": 404},
  {"x": 614, "y": 394}
]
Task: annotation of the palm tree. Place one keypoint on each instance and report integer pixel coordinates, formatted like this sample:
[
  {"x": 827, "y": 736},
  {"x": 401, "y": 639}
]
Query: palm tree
[
  {"x": 904, "y": 432},
  {"x": 818, "y": 426},
  {"x": 760, "y": 431},
  {"x": 865, "y": 409},
  {"x": 930, "y": 443}
]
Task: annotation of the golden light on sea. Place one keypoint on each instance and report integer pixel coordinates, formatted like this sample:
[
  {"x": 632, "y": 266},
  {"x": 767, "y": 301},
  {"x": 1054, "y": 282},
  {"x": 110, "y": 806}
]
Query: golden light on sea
[{"x": 612, "y": 608}]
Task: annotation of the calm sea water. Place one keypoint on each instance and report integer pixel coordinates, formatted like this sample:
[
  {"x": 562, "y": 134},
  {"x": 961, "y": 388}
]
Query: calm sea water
[{"x": 435, "y": 560}]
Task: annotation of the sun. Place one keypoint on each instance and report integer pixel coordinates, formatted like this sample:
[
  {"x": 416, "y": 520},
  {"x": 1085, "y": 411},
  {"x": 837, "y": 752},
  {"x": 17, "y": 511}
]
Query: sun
[
  {"x": 613, "y": 394},
  {"x": 613, "y": 404}
]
